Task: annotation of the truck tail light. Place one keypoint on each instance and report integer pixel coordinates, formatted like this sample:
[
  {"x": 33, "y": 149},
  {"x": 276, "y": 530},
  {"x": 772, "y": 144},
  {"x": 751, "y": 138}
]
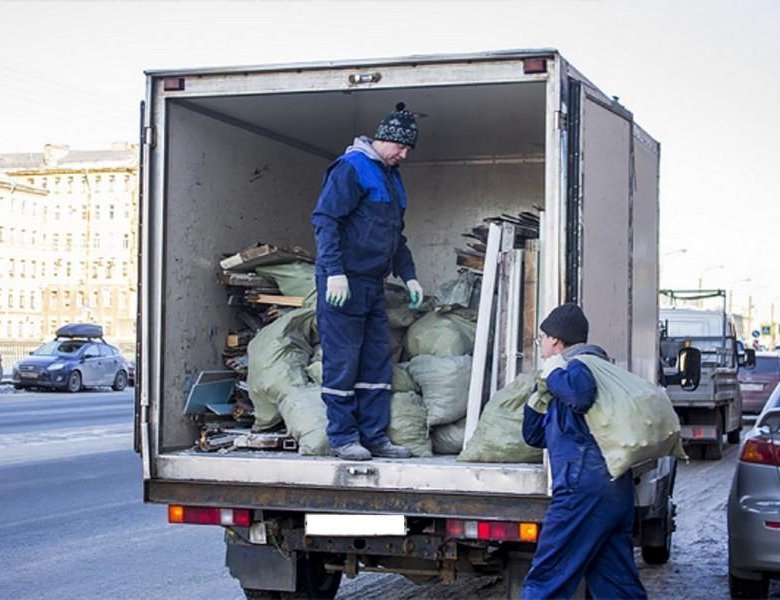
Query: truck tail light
[
  {"x": 208, "y": 515},
  {"x": 503, "y": 531},
  {"x": 759, "y": 451}
]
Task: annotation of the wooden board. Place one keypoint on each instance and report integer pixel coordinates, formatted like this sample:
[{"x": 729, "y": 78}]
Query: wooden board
[
  {"x": 530, "y": 277},
  {"x": 296, "y": 301},
  {"x": 264, "y": 254}
]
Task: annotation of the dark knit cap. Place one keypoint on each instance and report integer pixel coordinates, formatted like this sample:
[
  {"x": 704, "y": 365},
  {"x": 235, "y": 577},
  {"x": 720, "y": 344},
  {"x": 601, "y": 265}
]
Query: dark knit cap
[
  {"x": 568, "y": 323},
  {"x": 399, "y": 126}
]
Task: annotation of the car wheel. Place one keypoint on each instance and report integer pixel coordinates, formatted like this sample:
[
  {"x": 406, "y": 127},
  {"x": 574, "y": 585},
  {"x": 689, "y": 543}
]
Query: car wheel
[
  {"x": 733, "y": 437},
  {"x": 120, "y": 381},
  {"x": 18, "y": 386},
  {"x": 748, "y": 588},
  {"x": 74, "y": 382}
]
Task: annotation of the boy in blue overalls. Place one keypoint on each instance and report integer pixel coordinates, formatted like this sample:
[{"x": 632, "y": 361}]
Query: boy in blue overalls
[{"x": 588, "y": 529}]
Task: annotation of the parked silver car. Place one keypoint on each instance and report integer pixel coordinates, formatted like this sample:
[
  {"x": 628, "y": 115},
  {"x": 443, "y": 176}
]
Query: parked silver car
[{"x": 754, "y": 507}]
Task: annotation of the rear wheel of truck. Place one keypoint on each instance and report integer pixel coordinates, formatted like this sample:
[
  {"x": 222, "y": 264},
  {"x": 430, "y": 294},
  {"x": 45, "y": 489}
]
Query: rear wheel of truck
[
  {"x": 659, "y": 530},
  {"x": 714, "y": 450},
  {"x": 733, "y": 437},
  {"x": 260, "y": 594},
  {"x": 313, "y": 581}
]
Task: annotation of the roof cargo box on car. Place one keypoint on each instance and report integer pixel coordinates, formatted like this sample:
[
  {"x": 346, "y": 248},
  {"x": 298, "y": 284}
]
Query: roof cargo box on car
[{"x": 83, "y": 330}]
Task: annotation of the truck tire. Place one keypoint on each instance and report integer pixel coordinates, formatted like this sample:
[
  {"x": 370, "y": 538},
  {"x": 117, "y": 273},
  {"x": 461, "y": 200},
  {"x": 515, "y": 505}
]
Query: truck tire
[
  {"x": 713, "y": 451},
  {"x": 313, "y": 581},
  {"x": 660, "y": 530},
  {"x": 748, "y": 588},
  {"x": 734, "y": 437}
]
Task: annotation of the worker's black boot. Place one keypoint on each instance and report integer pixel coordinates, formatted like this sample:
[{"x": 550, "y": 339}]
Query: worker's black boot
[{"x": 389, "y": 450}]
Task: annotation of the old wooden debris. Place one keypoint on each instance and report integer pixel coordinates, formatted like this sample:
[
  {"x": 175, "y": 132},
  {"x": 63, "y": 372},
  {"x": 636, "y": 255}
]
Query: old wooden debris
[
  {"x": 278, "y": 300},
  {"x": 264, "y": 254}
]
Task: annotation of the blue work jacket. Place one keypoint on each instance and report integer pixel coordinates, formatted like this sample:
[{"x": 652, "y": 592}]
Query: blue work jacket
[
  {"x": 563, "y": 429},
  {"x": 359, "y": 221}
]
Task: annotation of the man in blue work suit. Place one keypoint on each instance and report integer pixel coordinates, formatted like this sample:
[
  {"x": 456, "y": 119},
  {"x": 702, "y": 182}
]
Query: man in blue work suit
[
  {"x": 358, "y": 226},
  {"x": 587, "y": 531}
]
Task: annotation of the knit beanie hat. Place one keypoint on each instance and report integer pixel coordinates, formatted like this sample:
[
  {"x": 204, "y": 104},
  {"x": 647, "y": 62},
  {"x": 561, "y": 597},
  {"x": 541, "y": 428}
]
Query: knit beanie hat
[
  {"x": 398, "y": 126},
  {"x": 568, "y": 323}
]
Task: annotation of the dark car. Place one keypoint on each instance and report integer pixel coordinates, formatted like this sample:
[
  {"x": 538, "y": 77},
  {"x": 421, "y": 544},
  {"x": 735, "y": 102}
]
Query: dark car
[
  {"x": 758, "y": 381},
  {"x": 754, "y": 507},
  {"x": 77, "y": 358}
]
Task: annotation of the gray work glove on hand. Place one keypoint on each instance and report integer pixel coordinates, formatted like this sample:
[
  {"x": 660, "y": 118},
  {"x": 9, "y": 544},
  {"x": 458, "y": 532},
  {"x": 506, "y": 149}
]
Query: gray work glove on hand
[{"x": 337, "y": 293}]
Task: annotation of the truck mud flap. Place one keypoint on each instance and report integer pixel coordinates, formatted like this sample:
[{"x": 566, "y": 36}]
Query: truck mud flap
[{"x": 260, "y": 567}]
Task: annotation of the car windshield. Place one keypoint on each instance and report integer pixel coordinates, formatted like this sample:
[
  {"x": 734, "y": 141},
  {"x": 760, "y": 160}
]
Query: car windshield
[
  {"x": 767, "y": 364},
  {"x": 60, "y": 348}
]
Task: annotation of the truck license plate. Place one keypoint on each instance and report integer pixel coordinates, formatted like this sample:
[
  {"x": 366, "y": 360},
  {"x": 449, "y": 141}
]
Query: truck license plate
[
  {"x": 751, "y": 387},
  {"x": 354, "y": 525}
]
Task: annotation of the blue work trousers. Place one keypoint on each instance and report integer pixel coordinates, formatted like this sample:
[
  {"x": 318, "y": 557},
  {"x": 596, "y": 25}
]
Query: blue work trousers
[
  {"x": 587, "y": 532},
  {"x": 357, "y": 364}
]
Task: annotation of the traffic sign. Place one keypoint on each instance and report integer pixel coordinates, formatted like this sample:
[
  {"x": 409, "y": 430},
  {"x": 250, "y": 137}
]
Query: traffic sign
[{"x": 755, "y": 333}]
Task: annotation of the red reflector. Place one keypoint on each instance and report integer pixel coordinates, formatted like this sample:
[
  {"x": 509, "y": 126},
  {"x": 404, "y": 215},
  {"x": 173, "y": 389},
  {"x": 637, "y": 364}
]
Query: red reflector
[
  {"x": 534, "y": 65},
  {"x": 455, "y": 528},
  {"x": 206, "y": 515},
  {"x": 173, "y": 84},
  {"x": 772, "y": 524},
  {"x": 483, "y": 530},
  {"x": 758, "y": 451}
]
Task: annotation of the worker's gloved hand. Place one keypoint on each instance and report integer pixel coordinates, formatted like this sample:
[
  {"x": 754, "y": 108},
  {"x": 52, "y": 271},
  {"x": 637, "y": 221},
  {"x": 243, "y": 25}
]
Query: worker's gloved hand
[
  {"x": 337, "y": 293},
  {"x": 556, "y": 361},
  {"x": 415, "y": 293}
]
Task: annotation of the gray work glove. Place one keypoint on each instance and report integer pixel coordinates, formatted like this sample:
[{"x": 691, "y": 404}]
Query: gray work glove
[{"x": 337, "y": 293}]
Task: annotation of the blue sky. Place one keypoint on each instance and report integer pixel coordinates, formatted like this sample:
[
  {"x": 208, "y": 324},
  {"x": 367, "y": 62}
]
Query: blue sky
[{"x": 698, "y": 75}]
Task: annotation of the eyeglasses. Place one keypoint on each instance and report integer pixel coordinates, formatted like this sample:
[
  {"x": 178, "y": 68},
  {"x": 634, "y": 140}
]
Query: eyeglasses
[{"x": 538, "y": 339}]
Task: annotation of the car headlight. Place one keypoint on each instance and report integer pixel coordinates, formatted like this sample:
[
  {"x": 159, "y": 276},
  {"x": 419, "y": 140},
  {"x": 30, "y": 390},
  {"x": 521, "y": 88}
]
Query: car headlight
[{"x": 56, "y": 366}]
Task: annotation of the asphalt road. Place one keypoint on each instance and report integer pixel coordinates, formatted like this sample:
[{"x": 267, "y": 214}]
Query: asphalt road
[{"x": 73, "y": 524}]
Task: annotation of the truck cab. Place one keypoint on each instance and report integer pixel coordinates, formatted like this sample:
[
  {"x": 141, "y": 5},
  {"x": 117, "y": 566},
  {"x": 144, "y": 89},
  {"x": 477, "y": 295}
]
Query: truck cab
[{"x": 713, "y": 407}]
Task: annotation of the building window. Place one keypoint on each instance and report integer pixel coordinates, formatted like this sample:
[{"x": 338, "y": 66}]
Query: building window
[
  {"x": 94, "y": 302},
  {"x": 66, "y": 299},
  {"x": 123, "y": 300},
  {"x": 110, "y": 211},
  {"x": 11, "y": 267},
  {"x": 106, "y": 297},
  {"x": 52, "y": 327},
  {"x": 108, "y": 329},
  {"x": 34, "y": 269},
  {"x": 83, "y": 240},
  {"x": 124, "y": 269},
  {"x": 96, "y": 241},
  {"x": 54, "y": 299},
  {"x": 32, "y": 300},
  {"x": 70, "y": 184},
  {"x": 20, "y": 329},
  {"x": 84, "y": 211},
  {"x": 109, "y": 269},
  {"x": 110, "y": 183},
  {"x": 22, "y": 268},
  {"x": 96, "y": 212},
  {"x": 2, "y": 234},
  {"x": 68, "y": 241},
  {"x": 9, "y": 329},
  {"x": 68, "y": 269},
  {"x": 56, "y": 212},
  {"x": 43, "y": 269},
  {"x": 10, "y": 299},
  {"x": 127, "y": 183},
  {"x": 98, "y": 183},
  {"x": 21, "y": 299},
  {"x": 126, "y": 240},
  {"x": 94, "y": 271}
]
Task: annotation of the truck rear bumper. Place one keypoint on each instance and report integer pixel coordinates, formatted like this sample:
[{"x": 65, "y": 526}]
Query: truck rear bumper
[{"x": 511, "y": 508}]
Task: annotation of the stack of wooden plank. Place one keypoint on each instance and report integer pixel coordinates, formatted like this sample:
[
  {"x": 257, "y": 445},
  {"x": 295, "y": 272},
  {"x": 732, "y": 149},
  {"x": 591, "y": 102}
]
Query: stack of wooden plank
[{"x": 526, "y": 227}]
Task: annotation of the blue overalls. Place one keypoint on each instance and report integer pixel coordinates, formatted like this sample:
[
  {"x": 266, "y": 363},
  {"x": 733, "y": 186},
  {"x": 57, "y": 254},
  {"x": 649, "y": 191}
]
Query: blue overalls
[
  {"x": 358, "y": 224},
  {"x": 588, "y": 529}
]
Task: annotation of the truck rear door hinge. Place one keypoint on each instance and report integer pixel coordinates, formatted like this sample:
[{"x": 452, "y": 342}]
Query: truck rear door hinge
[
  {"x": 149, "y": 136},
  {"x": 561, "y": 120}
]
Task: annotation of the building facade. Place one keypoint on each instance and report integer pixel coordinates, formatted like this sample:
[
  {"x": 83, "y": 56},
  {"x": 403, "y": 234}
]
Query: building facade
[{"x": 68, "y": 243}]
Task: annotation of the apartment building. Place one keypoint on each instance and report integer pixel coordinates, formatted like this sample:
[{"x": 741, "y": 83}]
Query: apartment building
[{"x": 68, "y": 243}]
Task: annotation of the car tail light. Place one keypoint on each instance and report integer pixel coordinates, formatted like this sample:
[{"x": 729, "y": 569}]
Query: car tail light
[
  {"x": 504, "y": 531},
  {"x": 207, "y": 515},
  {"x": 760, "y": 451}
]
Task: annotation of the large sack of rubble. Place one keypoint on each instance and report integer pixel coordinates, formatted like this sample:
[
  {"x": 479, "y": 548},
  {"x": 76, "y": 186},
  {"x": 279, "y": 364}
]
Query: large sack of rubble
[
  {"x": 408, "y": 425},
  {"x": 305, "y": 416},
  {"x": 499, "y": 433},
  {"x": 632, "y": 420},
  {"x": 448, "y": 439},
  {"x": 442, "y": 333},
  {"x": 292, "y": 279},
  {"x": 278, "y": 357},
  {"x": 444, "y": 382}
]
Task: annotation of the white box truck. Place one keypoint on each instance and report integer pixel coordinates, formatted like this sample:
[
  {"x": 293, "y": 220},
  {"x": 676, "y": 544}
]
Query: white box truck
[{"x": 236, "y": 155}]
